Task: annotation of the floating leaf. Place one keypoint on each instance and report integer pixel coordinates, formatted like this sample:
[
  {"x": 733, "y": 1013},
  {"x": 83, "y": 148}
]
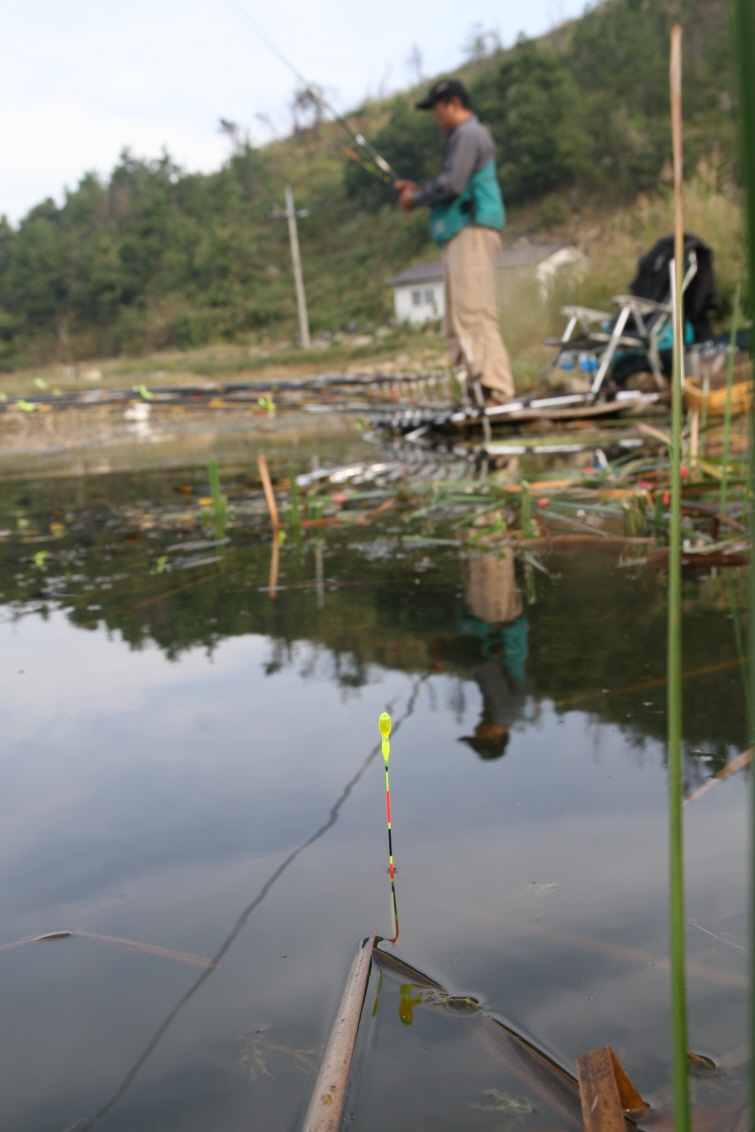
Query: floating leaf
[
  {"x": 701, "y": 1063},
  {"x": 535, "y": 889},
  {"x": 515, "y": 1109},
  {"x": 407, "y": 1003}
]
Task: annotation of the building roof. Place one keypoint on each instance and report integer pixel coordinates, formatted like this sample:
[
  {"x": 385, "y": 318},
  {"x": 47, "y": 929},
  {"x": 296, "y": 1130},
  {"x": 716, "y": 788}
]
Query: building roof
[
  {"x": 525, "y": 254},
  {"x": 520, "y": 254},
  {"x": 431, "y": 272}
]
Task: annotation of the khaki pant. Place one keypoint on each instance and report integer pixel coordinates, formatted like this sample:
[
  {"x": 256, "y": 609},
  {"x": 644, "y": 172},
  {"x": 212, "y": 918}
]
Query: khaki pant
[
  {"x": 470, "y": 323},
  {"x": 490, "y": 587}
]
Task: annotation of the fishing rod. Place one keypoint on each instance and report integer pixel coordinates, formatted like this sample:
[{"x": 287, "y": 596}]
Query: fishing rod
[
  {"x": 365, "y": 164},
  {"x": 317, "y": 95}
]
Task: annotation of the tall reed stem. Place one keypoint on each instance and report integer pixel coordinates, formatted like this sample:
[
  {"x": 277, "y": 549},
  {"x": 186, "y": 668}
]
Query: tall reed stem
[
  {"x": 727, "y": 410},
  {"x": 674, "y": 659},
  {"x": 744, "y": 44},
  {"x": 218, "y": 502}
]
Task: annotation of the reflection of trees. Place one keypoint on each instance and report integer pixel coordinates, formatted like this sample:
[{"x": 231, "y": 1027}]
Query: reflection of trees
[
  {"x": 598, "y": 628},
  {"x": 314, "y": 660}
]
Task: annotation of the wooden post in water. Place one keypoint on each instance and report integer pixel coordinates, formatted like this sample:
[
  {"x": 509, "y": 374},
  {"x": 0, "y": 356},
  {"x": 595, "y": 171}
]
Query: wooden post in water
[
  {"x": 329, "y": 1093},
  {"x": 606, "y": 1092},
  {"x": 674, "y": 661},
  {"x": 267, "y": 487},
  {"x": 275, "y": 557}
]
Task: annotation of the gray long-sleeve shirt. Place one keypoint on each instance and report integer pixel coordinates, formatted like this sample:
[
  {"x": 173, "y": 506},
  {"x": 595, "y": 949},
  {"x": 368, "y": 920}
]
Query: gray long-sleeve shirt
[
  {"x": 469, "y": 146},
  {"x": 503, "y": 698}
]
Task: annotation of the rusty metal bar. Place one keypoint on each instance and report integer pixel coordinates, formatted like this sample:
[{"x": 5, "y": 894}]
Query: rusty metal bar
[{"x": 328, "y": 1095}]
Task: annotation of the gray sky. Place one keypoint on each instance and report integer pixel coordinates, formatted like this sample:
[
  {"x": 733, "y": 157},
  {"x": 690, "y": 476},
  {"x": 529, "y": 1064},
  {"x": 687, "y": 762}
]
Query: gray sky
[{"x": 82, "y": 79}]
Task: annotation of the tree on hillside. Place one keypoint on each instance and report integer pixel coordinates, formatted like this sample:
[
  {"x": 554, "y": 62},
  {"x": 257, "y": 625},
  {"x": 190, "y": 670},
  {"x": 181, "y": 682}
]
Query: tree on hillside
[
  {"x": 155, "y": 257},
  {"x": 618, "y": 56},
  {"x": 531, "y": 105}
]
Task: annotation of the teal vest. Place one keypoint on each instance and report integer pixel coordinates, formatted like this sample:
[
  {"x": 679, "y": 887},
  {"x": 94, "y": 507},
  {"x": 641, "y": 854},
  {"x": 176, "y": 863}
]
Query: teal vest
[{"x": 480, "y": 203}]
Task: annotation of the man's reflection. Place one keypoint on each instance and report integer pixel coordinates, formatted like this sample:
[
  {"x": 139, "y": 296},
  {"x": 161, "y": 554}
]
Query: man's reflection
[{"x": 494, "y": 613}]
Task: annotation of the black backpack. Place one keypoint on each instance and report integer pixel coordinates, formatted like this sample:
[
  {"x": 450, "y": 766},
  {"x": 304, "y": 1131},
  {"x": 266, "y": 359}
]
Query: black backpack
[{"x": 701, "y": 296}]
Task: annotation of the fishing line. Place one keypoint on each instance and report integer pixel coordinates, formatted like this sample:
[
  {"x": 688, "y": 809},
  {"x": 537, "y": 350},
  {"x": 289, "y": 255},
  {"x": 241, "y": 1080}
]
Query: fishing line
[
  {"x": 315, "y": 93},
  {"x": 86, "y": 1124}
]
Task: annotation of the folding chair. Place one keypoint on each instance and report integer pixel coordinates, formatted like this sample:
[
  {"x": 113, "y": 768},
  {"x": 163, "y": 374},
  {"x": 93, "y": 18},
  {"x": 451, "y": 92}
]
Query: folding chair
[{"x": 641, "y": 326}]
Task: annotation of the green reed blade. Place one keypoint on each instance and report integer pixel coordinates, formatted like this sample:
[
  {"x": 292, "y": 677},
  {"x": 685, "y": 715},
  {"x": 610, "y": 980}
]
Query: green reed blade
[
  {"x": 744, "y": 46},
  {"x": 526, "y": 511},
  {"x": 682, "y": 1121},
  {"x": 218, "y": 499},
  {"x": 294, "y": 516},
  {"x": 727, "y": 411},
  {"x": 674, "y": 670},
  {"x": 739, "y": 643}
]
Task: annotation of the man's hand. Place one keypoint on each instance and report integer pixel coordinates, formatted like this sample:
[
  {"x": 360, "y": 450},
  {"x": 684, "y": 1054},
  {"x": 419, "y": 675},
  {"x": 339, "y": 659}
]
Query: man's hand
[{"x": 405, "y": 190}]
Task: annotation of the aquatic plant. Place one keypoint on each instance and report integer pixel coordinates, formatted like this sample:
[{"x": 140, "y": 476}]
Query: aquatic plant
[
  {"x": 255, "y": 1064},
  {"x": 515, "y": 1110}
]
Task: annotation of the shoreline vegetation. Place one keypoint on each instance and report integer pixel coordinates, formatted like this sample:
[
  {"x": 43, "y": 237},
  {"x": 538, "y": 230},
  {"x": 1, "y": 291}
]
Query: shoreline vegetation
[{"x": 611, "y": 240}]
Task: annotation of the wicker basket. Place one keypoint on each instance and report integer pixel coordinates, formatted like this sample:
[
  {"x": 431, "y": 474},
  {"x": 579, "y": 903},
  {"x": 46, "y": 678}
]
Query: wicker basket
[{"x": 741, "y": 398}]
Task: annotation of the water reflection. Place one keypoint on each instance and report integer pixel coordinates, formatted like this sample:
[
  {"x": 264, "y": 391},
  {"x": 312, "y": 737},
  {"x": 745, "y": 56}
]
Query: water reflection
[
  {"x": 173, "y": 736},
  {"x": 493, "y": 614},
  {"x": 117, "y": 557},
  {"x": 211, "y": 965}
]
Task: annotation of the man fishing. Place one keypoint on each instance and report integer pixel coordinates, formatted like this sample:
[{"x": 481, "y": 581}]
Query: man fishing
[{"x": 466, "y": 219}]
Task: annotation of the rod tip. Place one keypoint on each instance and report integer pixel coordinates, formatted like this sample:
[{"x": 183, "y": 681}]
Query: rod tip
[{"x": 384, "y": 724}]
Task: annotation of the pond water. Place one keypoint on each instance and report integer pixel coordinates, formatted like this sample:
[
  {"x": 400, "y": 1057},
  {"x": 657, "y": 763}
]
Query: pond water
[{"x": 191, "y": 762}]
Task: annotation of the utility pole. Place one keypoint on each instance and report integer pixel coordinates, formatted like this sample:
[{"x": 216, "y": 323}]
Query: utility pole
[{"x": 291, "y": 215}]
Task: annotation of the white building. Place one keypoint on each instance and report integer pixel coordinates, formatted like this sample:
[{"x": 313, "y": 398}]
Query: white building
[{"x": 418, "y": 291}]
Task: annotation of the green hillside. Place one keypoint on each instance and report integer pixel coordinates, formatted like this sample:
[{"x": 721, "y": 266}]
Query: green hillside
[{"x": 155, "y": 257}]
